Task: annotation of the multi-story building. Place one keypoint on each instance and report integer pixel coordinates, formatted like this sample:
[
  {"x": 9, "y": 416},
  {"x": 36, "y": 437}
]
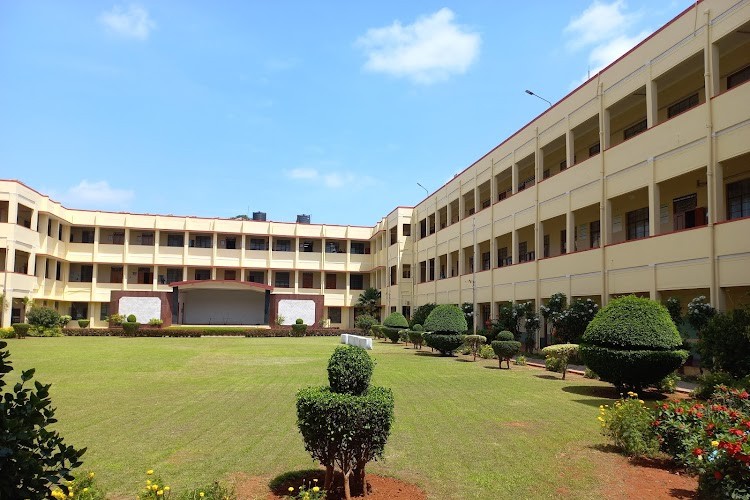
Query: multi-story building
[{"x": 637, "y": 182}]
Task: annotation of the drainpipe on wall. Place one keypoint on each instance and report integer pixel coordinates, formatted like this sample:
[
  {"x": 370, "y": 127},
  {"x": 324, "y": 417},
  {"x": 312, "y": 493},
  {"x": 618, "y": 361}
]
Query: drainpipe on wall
[{"x": 714, "y": 288}]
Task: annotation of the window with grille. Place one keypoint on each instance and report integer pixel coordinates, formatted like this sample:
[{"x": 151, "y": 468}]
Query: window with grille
[
  {"x": 334, "y": 314},
  {"x": 635, "y": 129},
  {"x": 175, "y": 240},
  {"x": 406, "y": 274},
  {"x": 637, "y": 224},
  {"x": 103, "y": 311},
  {"x": 330, "y": 281},
  {"x": 282, "y": 280},
  {"x": 174, "y": 274},
  {"x": 502, "y": 257},
  {"x": 357, "y": 281},
  {"x": 523, "y": 254},
  {"x": 738, "y": 199},
  {"x": 486, "y": 261},
  {"x": 307, "y": 280},
  {"x": 406, "y": 229},
  {"x": 282, "y": 245},
  {"x": 682, "y": 106},
  {"x": 563, "y": 241},
  {"x": 258, "y": 244},
  {"x": 546, "y": 245},
  {"x": 256, "y": 277},
  {"x": 594, "y": 149},
  {"x": 738, "y": 77},
  {"x": 595, "y": 234}
]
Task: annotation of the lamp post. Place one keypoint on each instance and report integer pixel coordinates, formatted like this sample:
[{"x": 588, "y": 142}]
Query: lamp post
[
  {"x": 538, "y": 96},
  {"x": 425, "y": 189}
]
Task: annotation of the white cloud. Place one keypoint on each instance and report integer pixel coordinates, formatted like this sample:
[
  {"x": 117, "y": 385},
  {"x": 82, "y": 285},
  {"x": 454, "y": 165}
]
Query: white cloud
[
  {"x": 132, "y": 21},
  {"x": 98, "y": 194},
  {"x": 598, "y": 23},
  {"x": 431, "y": 49},
  {"x": 606, "y": 30},
  {"x": 331, "y": 180}
]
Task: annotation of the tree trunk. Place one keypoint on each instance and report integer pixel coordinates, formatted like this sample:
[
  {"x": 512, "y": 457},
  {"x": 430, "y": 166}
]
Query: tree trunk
[
  {"x": 329, "y": 478},
  {"x": 565, "y": 370},
  {"x": 363, "y": 479},
  {"x": 347, "y": 491},
  {"x": 500, "y": 362}
]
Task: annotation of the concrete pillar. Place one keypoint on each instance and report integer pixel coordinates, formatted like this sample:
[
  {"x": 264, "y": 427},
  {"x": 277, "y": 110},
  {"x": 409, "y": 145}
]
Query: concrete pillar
[
  {"x": 654, "y": 215},
  {"x": 569, "y": 148},
  {"x": 570, "y": 231},
  {"x": 652, "y": 106},
  {"x": 514, "y": 246},
  {"x": 605, "y": 134},
  {"x": 718, "y": 213},
  {"x": 514, "y": 177},
  {"x": 13, "y": 210},
  {"x": 714, "y": 72},
  {"x": 606, "y": 224}
]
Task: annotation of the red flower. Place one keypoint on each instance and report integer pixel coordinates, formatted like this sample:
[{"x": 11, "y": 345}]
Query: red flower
[
  {"x": 697, "y": 452},
  {"x": 656, "y": 423},
  {"x": 717, "y": 475},
  {"x": 679, "y": 410},
  {"x": 699, "y": 415},
  {"x": 744, "y": 395}
]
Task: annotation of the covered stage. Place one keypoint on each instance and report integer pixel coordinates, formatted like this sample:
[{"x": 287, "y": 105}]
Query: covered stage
[{"x": 220, "y": 302}]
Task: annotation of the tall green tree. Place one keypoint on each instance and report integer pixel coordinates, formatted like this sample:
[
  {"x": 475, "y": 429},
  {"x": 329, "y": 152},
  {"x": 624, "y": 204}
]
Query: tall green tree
[{"x": 369, "y": 302}]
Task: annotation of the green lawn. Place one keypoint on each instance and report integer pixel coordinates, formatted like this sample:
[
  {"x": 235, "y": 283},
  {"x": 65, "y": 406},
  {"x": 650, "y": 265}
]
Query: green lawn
[{"x": 203, "y": 408}]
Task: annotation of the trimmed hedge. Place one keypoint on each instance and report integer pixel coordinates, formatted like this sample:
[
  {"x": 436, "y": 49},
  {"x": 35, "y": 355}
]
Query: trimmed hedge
[
  {"x": 446, "y": 319},
  {"x": 446, "y": 344},
  {"x": 505, "y": 335},
  {"x": 505, "y": 350},
  {"x": 393, "y": 324},
  {"x": 21, "y": 329},
  {"x": 632, "y": 342},
  {"x": 206, "y": 332},
  {"x": 350, "y": 370},
  {"x": 416, "y": 337},
  {"x": 561, "y": 354},
  {"x": 299, "y": 329},
  {"x": 84, "y": 323},
  {"x": 130, "y": 328}
]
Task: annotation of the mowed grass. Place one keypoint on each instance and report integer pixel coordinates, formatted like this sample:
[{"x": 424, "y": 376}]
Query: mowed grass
[{"x": 200, "y": 409}]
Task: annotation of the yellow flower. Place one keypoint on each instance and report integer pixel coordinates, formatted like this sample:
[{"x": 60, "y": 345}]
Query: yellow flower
[
  {"x": 91, "y": 475},
  {"x": 641, "y": 401},
  {"x": 167, "y": 488},
  {"x": 70, "y": 494},
  {"x": 600, "y": 419},
  {"x": 160, "y": 492},
  {"x": 316, "y": 489},
  {"x": 601, "y": 407},
  {"x": 201, "y": 494},
  {"x": 148, "y": 482},
  {"x": 715, "y": 444},
  {"x": 85, "y": 490},
  {"x": 154, "y": 487},
  {"x": 150, "y": 471},
  {"x": 291, "y": 488}
]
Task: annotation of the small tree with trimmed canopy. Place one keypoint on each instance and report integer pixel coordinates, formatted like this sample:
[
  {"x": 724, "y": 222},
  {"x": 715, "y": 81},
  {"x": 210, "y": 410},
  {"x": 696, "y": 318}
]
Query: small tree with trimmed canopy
[{"x": 447, "y": 325}]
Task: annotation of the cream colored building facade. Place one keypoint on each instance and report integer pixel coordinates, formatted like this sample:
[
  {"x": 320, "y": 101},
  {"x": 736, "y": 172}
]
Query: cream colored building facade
[{"x": 636, "y": 182}]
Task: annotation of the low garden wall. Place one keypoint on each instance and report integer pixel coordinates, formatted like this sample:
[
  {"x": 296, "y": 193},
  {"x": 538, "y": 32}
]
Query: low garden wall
[{"x": 205, "y": 332}]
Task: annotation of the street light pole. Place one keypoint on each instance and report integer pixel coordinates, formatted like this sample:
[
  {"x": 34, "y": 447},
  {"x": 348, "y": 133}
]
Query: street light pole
[{"x": 538, "y": 96}]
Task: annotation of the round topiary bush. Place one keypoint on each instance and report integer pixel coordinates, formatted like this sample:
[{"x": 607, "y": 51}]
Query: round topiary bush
[
  {"x": 417, "y": 328},
  {"x": 299, "y": 321},
  {"x": 130, "y": 328},
  {"x": 21, "y": 329},
  {"x": 131, "y": 318},
  {"x": 447, "y": 324},
  {"x": 505, "y": 335},
  {"x": 299, "y": 328},
  {"x": 416, "y": 337},
  {"x": 393, "y": 324},
  {"x": 349, "y": 370},
  {"x": 505, "y": 349},
  {"x": 84, "y": 323},
  {"x": 632, "y": 342}
]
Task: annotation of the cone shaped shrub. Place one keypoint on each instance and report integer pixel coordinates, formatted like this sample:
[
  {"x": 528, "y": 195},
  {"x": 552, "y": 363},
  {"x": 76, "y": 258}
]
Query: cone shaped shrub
[
  {"x": 632, "y": 342},
  {"x": 447, "y": 324}
]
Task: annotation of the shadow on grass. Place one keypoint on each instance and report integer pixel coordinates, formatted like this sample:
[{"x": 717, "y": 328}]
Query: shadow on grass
[
  {"x": 495, "y": 367},
  {"x": 428, "y": 354},
  {"x": 465, "y": 360},
  {"x": 609, "y": 392},
  {"x": 294, "y": 479},
  {"x": 546, "y": 376}
]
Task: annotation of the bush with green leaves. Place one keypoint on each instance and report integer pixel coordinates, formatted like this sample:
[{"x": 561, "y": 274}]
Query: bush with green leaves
[
  {"x": 43, "y": 318},
  {"x": 632, "y": 342},
  {"x": 474, "y": 343},
  {"x": 505, "y": 347},
  {"x": 299, "y": 328},
  {"x": 629, "y": 423},
  {"x": 416, "y": 337},
  {"x": 33, "y": 458},
  {"x": 563, "y": 354},
  {"x": 64, "y": 320},
  {"x": 419, "y": 316},
  {"x": 21, "y": 329},
  {"x": 130, "y": 328},
  {"x": 155, "y": 322},
  {"x": 699, "y": 313},
  {"x": 350, "y": 370},
  {"x": 84, "y": 323},
  {"x": 724, "y": 343},
  {"x": 346, "y": 425},
  {"x": 486, "y": 352},
  {"x": 365, "y": 322},
  {"x": 393, "y": 324},
  {"x": 447, "y": 325},
  {"x": 131, "y": 318}
]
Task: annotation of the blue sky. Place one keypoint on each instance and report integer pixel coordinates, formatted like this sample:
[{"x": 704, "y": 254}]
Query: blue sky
[{"x": 335, "y": 109}]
